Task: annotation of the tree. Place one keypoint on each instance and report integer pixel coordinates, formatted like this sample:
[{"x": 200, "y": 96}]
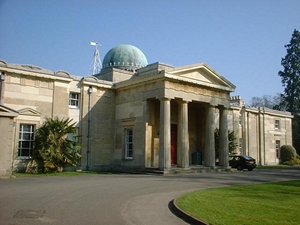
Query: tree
[
  {"x": 52, "y": 145},
  {"x": 232, "y": 144},
  {"x": 290, "y": 79},
  {"x": 268, "y": 101}
]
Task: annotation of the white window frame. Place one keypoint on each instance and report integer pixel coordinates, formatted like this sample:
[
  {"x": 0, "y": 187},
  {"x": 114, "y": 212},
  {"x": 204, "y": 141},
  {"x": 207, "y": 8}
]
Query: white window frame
[
  {"x": 22, "y": 139},
  {"x": 277, "y": 124},
  {"x": 74, "y": 137},
  {"x": 74, "y": 100},
  {"x": 240, "y": 145},
  {"x": 128, "y": 138},
  {"x": 277, "y": 148}
]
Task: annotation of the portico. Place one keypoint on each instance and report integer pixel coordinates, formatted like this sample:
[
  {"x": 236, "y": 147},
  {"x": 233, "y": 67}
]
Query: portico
[
  {"x": 183, "y": 120},
  {"x": 193, "y": 132}
]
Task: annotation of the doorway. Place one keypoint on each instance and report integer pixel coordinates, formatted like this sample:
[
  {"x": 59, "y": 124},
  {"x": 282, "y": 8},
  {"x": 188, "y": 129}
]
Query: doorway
[{"x": 173, "y": 144}]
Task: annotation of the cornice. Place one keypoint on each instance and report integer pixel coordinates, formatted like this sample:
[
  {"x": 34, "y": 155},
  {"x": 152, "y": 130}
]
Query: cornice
[{"x": 59, "y": 75}]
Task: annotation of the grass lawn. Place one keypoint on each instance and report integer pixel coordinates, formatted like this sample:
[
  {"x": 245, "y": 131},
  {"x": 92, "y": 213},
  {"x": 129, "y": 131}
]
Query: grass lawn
[
  {"x": 280, "y": 166},
  {"x": 260, "y": 204}
]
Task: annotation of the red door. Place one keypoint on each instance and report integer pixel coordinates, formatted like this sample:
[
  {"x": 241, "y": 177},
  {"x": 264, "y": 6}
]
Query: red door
[{"x": 173, "y": 144}]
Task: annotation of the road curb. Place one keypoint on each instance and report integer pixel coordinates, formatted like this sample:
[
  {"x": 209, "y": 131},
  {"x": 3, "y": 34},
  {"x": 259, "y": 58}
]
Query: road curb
[{"x": 183, "y": 215}]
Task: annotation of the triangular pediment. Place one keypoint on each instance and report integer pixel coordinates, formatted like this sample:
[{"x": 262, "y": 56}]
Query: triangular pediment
[
  {"x": 202, "y": 74},
  {"x": 29, "y": 112},
  {"x": 7, "y": 112}
]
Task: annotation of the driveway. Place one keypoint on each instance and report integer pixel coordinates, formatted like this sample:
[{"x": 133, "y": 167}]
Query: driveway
[{"x": 112, "y": 199}]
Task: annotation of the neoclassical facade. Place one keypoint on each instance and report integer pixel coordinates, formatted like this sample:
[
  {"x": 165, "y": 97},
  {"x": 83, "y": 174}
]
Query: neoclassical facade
[
  {"x": 134, "y": 115},
  {"x": 260, "y": 131}
]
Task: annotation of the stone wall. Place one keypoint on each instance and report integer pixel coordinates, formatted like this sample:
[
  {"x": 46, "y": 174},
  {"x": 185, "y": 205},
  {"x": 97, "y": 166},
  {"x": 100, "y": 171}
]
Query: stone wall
[
  {"x": 23, "y": 91},
  {"x": 102, "y": 127},
  {"x": 130, "y": 114},
  {"x": 256, "y": 132},
  {"x": 6, "y": 140}
]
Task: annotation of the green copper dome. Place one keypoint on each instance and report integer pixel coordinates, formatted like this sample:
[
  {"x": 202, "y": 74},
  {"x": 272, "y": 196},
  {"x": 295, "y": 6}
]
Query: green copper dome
[{"x": 125, "y": 57}]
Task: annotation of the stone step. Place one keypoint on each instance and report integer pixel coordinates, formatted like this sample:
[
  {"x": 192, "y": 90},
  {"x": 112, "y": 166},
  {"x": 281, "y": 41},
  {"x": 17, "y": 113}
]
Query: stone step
[{"x": 192, "y": 169}]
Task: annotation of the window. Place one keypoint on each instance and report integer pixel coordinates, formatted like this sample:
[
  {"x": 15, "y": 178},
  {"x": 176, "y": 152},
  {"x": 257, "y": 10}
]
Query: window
[
  {"x": 74, "y": 137},
  {"x": 241, "y": 145},
  {"x": 74, "y": 100},
  {"x": 277, "y": 147},
  {"x": 277, "y": 125},
  {"x": 26, "y": 140},
  {"x": 128, "y": 143}
]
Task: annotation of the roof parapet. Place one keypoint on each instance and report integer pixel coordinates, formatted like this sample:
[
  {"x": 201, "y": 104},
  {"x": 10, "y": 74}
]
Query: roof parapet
[{"x": 237, "y": 101}]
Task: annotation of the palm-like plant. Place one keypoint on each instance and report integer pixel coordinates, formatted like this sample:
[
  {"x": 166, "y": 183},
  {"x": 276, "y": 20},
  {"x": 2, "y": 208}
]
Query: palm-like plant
[{"x": 52, "y": 145}]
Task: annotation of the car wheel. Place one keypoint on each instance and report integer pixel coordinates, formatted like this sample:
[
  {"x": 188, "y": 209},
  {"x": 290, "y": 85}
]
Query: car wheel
[
  {"x": 250, "y": 169},
  {"x": 239, "y": 167}
]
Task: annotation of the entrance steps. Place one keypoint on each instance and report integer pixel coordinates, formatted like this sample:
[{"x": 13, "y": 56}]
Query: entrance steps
[{"x": 191, "y": 169}]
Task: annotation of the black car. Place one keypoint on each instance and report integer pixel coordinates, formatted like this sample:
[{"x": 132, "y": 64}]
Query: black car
[{"x": 242, "y": 162}]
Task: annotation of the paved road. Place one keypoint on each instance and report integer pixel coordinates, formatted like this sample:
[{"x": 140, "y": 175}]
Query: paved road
[{"x": 112, "y": 199}]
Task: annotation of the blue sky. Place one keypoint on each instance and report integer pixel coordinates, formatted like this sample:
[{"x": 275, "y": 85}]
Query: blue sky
[{"x": 243, "y": 40}]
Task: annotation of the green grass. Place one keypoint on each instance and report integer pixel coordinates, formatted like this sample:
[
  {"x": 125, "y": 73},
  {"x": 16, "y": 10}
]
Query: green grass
[
  {"x": 280, "y": 166},
  {"x": 262, "y": 204}
]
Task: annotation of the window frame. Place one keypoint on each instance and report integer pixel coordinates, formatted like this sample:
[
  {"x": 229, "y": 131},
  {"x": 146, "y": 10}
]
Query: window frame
[
  {"x": 74, "y": 99},
  {"x": 30, "y": 141},
  {"x": 241, "y": 145},
  {"x": 277, "y": 125},
  {"x": 74, "y": 137},
  {"x": 128, "y": 143},
  {"x": 277, "y": 148}
]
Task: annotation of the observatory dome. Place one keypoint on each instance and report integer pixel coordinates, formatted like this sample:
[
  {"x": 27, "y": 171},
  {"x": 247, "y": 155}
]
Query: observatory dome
[{"x": 125, "y": 57}]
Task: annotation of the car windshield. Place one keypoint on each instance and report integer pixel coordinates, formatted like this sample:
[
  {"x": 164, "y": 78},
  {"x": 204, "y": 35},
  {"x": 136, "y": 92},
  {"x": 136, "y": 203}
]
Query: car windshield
[{"x": 248, "y": 158}]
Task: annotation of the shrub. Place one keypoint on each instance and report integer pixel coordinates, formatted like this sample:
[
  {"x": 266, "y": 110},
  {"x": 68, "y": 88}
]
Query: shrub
[
  {"x": 293, "y": 161},
  {"x": 287, "y": 153},
  {"x": 53, "y": 149},
  {"x": 296, "y": 160}
]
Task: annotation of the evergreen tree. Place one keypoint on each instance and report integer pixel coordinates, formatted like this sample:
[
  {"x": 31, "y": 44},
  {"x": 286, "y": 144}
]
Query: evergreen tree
[{"x": 290, "y": 79}]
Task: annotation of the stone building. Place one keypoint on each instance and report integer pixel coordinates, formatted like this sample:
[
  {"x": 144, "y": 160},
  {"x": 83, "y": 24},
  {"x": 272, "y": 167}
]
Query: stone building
[
  {"x": 135, "y": 115},
  {"x": 260, "y": 131}
]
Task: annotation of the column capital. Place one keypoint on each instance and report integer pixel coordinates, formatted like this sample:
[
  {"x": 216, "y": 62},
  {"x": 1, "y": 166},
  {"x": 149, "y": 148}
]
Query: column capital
[
  {"x": 223, "y": 107},
  {"x": 181, "y": 101},
  {"x": 165, "y": 99},
  {"x": 208, "y": 106}
]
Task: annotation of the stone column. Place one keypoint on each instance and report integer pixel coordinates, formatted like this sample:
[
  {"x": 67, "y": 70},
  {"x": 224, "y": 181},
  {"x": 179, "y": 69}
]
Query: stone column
[
  {"x": 165, "y": 135},
  {"x": 223, "y": 139},
  {"x": 148, "y": 133},
  {"x": 261, "y": 160},
  {"x": 2, "y": 86},
  {"x": 244, "y": 132},
  {"x": 209, "y": 159},
  {"x": 183, "y": 135}
]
